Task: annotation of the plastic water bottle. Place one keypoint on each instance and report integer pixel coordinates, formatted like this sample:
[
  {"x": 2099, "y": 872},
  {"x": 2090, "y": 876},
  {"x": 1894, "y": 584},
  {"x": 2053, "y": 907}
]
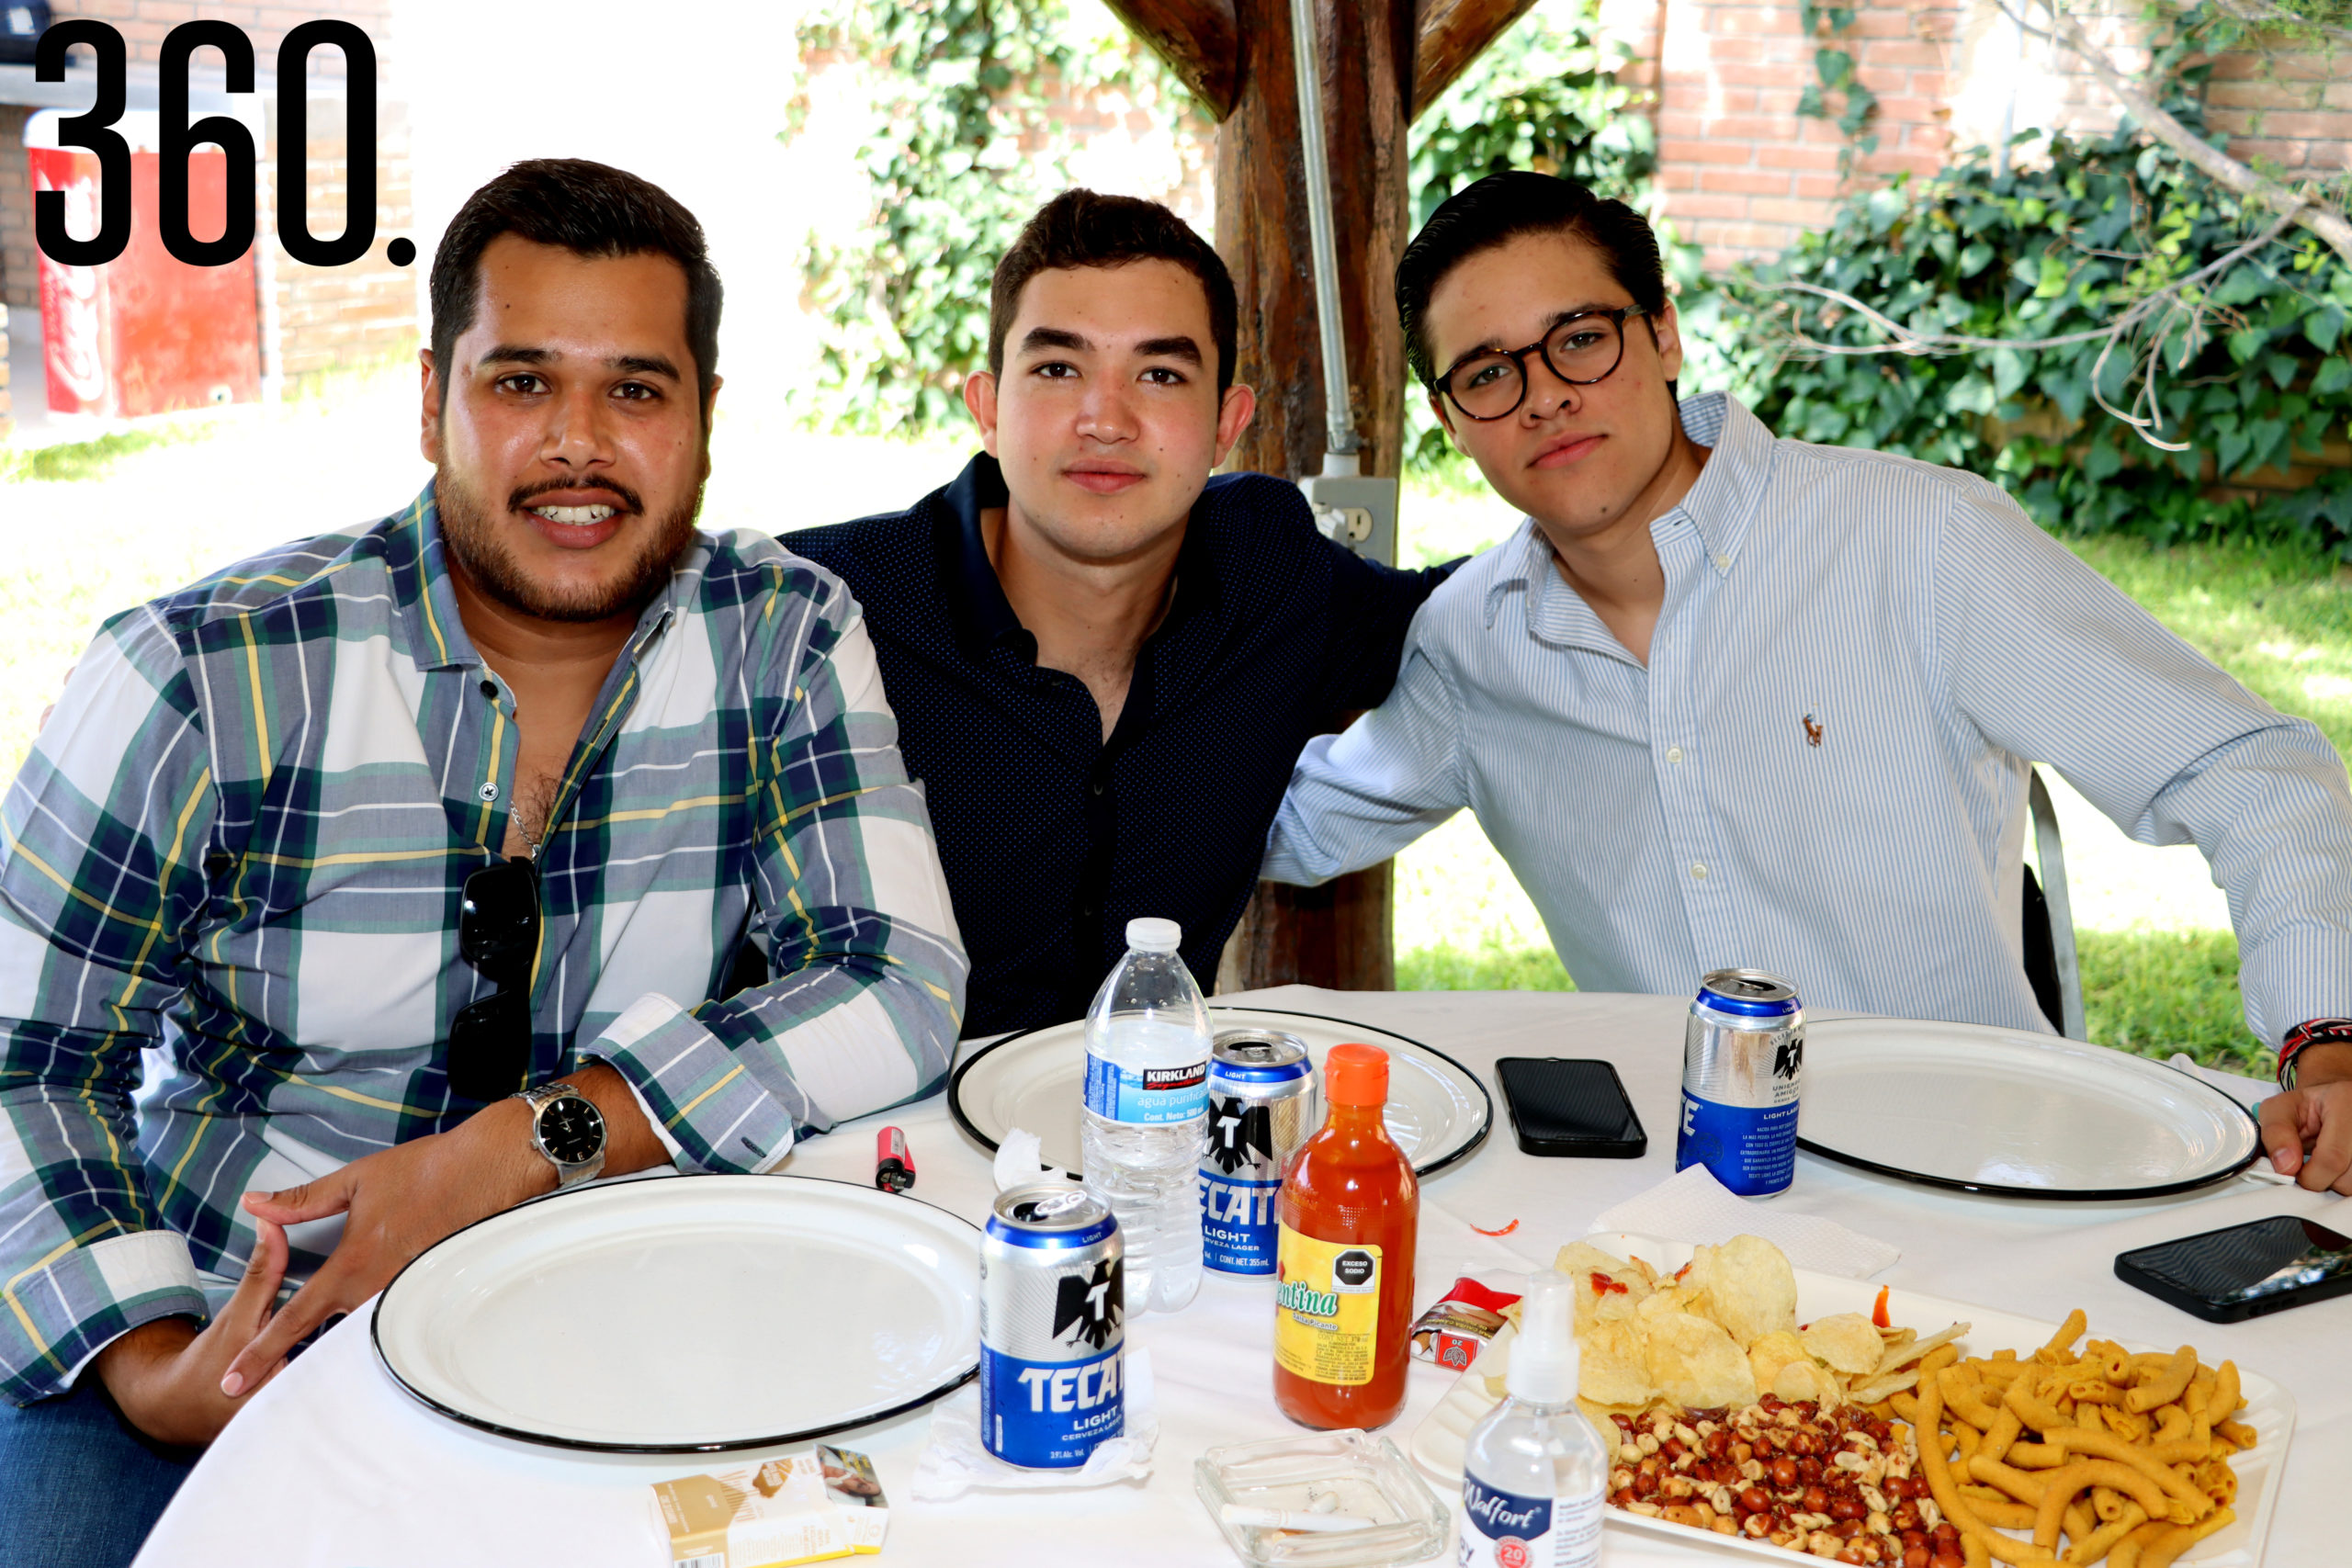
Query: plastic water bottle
[
  {"x": 1533, "y": 1471},
  {"x": 1148, "y": 1041}
]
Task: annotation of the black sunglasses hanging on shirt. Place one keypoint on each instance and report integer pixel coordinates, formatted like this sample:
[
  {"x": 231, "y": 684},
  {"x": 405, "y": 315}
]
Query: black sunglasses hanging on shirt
[{"x": 498, "y": 933}]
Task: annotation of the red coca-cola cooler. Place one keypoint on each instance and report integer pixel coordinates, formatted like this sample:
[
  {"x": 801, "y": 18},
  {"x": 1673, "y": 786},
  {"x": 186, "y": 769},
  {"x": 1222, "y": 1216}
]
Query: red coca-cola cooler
[{"x": 146, "y": 333}]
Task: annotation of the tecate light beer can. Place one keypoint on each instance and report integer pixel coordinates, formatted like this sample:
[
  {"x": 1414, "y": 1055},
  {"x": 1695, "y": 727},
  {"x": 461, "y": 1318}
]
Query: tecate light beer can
[
  {"x": 1262, "y": 1107},
  {"x": 1743, "y": 1062},
  {"x": 1053, "y": 1321}
]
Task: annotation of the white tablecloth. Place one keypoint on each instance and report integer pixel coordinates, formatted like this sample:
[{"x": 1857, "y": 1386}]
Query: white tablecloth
[{"x": 334, "y": 1466}]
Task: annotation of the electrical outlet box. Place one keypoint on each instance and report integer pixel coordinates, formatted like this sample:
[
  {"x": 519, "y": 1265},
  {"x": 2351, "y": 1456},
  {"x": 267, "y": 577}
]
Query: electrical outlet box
[{"x": 1357, "y": 512}]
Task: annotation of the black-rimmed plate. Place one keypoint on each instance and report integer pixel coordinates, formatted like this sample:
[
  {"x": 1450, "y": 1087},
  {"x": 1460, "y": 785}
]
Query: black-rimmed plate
[
  {"x": 688, "y": 1314},
  {"x": 2013, "y": 1114},
  {"x": 1437, "y": 1110}
]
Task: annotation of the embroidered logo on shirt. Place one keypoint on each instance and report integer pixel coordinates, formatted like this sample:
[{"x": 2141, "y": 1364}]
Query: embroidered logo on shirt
[{"x": 1811, "y": 731}]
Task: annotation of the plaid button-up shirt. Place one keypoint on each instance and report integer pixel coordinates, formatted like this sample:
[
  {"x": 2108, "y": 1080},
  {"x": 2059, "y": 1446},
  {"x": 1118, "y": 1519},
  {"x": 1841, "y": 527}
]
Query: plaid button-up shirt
[{"x": 242, "y": 836}]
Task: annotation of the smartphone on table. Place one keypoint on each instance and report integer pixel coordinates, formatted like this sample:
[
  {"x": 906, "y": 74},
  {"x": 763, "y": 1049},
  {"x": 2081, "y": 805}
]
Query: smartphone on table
[
  {"x": 2230, "y": 1275},
  {"x": 1565, "y": 1107}
]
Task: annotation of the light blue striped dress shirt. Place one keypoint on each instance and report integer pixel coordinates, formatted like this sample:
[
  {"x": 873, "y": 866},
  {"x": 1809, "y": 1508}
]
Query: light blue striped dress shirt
[{"x": 1823, "y": 770}]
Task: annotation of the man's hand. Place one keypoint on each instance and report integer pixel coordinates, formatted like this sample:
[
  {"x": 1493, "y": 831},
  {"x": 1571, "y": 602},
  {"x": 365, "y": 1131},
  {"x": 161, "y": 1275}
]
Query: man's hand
[
  {"x": 165, "y": 1375},
  {"x": 2308, "y": 1129},
  {"x": 402, "y": 1199}
]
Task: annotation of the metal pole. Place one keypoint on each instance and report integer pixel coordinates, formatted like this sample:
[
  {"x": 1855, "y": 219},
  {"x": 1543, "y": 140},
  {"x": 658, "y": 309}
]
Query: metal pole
[{"x": 1339, "y": 408}]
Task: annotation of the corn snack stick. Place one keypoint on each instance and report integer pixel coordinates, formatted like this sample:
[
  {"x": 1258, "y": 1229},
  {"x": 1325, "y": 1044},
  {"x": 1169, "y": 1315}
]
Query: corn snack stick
[
  {"x": 2160, "y": 1552},
  {"x": 2063, "y": 1341},
  {"x": 2101, "y": 1541},
  {"x": 2106, "y": 1444}
]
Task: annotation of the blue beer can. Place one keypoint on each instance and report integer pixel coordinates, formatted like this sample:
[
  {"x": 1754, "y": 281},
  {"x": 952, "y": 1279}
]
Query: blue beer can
[
  {"x": 1742, "y": 1064},
  {"x": 1053, "y": 1326},
  {"x": 1262, "y": 1107}
]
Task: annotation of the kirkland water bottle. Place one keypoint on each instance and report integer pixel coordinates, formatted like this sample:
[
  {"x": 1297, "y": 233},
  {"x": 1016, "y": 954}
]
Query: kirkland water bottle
[
  {"x": 1534, "y": 1472},
  {"x": 1147, "y": 1110}
]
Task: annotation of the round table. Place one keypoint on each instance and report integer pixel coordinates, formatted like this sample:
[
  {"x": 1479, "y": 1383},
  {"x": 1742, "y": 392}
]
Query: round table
[{"x": 332, "y": 1465}]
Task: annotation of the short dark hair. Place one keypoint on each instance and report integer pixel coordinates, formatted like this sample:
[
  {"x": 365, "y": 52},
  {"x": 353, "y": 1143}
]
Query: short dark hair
[
  {"x": 1499, "y": 209},
  {"x": 1080, "y": 228},
  {"x": 590, "y": 210}
]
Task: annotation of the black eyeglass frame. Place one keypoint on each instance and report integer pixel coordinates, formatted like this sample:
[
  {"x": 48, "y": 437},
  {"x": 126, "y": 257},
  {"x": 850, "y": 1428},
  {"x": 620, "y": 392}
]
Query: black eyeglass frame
[
  {"x": 498, "y": 933},
  {"x": 1518, "y": 356}
]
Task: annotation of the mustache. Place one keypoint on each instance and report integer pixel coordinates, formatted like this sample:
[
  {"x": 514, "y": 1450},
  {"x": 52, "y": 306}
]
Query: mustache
[{"x": 523, "y": 495}]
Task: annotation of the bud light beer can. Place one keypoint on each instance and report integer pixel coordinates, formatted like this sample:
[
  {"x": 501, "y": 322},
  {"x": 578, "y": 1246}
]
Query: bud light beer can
[
  {"x": 1743, "y": 1059},
  {"x": 1053, "y": 1323},
  {"x": 1262, "y": 1107}
]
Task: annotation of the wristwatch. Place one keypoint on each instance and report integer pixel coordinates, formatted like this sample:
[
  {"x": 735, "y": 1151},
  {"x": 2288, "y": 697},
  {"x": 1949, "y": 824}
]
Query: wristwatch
[{"x": 568, "y": 1131}]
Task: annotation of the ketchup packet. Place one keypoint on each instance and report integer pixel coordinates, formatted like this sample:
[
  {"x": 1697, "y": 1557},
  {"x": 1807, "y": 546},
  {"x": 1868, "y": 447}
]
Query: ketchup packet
[{"x": 1457, "y": 1325}]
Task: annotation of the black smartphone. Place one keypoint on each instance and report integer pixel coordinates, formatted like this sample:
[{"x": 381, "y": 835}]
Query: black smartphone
[
  {"x": 2228, "y": 1276},
  {"x": 1560, "y": 1106}
]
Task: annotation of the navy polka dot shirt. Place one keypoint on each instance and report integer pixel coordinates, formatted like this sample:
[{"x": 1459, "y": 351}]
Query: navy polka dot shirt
[{"x": 1053, "y": 839}]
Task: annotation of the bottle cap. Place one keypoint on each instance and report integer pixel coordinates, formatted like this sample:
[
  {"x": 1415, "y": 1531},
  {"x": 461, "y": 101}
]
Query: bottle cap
[
  {"x": 1543, "y": 1361},
  {"x": 1356, "y": 1074},
  {"x": 1154, "y": 936}
]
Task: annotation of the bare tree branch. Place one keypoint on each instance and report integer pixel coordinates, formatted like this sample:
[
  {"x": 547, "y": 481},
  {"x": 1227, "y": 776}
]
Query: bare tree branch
[
  {"x": 2304, "y": 206},
  {"x": 2264, "y": 14}
]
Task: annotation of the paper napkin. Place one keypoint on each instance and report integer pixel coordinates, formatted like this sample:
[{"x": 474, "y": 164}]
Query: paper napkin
[
  {"x": 1692, "y": 1205},
  {"x": 2245, "y": 1091},
  {"x": 954, "y": 1461}
]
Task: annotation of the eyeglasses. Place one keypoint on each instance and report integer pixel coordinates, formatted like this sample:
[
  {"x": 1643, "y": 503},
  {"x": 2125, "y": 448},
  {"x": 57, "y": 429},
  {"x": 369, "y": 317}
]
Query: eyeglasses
[
  {"x": 498, "y": 933},
  {"x": 1585, "y": 348}
]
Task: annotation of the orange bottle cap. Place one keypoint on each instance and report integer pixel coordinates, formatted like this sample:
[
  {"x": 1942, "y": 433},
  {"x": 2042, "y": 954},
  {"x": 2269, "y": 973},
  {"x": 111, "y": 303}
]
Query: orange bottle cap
[{"x": 1356, "y": 1074}]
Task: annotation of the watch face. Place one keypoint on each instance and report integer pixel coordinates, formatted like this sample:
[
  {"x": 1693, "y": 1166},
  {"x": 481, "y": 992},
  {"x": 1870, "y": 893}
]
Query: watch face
[{"x": 571, "y": 1130}]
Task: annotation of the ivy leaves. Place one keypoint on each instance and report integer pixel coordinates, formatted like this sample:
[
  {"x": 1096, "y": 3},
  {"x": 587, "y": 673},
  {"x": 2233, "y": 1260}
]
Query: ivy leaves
[{"x": 2253, "y": 373}]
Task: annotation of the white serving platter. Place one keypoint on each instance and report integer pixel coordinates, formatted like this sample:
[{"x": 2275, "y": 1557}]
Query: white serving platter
[
  {"x": 688, "y": 1314},
  {"x": 2014, "y": 1113},
  {"x": 1437, "y": 1444},
  {"x": 1437, "y": 1110}
]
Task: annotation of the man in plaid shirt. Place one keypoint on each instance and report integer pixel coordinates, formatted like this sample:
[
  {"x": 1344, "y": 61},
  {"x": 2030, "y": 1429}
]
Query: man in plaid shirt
[{"x": 246, "y": 833}]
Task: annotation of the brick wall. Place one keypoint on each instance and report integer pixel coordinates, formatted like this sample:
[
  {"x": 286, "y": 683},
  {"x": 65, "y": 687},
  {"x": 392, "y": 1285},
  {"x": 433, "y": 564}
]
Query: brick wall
[
  {"x": 19, "y": 284},
  {"x": 6, "y": 423},
  {"x": 1742, "y": 174}
]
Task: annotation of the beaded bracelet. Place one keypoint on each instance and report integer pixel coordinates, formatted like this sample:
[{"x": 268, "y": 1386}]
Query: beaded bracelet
[{"x": 2317, "y": 1032}]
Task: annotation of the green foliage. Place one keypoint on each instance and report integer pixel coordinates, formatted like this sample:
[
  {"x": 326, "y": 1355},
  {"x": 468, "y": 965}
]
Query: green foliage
[
  {"x": 1545, "y": 96},
  {"x": 962, "y": 147},
  {"x": 2251, "y": 369},
  {"x": 1833, "y": 69}
]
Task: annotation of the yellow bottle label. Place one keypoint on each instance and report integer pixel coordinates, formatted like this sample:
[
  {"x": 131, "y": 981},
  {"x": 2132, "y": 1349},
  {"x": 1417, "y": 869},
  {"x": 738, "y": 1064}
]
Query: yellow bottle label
[{"x": 1327, "y": 1308}]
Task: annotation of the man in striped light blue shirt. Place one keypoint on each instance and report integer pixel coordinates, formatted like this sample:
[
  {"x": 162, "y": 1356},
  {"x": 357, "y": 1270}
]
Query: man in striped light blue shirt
[
  {"x": 1724, "y": 699},
  {"x": 529, "y": 784}
]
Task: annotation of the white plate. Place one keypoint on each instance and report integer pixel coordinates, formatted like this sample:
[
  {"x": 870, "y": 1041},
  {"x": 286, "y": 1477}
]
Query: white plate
[
  {"x": 688, "y": 1314},
  {"x": 2017, "y": 1114},
  {"x": 2269, "y": 1409},
  {"x": 1437, "y": 1110}
]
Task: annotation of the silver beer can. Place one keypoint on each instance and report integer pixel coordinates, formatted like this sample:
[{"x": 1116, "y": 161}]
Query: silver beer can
[
  {"x": 1742, "y": 1064},
  {"x": 1262, "y": 1107},
  {"x": 1053, "y": 1324}
]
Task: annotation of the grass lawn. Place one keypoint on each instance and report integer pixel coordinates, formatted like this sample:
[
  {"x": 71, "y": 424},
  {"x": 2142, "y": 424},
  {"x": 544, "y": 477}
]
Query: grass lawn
[{"x": 2280, "y": 621}]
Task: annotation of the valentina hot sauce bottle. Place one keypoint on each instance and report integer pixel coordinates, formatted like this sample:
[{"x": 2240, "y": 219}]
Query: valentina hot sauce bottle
[{"x": 1344, "y": 1296}]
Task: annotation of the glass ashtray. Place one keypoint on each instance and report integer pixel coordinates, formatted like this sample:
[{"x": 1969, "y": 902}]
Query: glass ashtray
[{"x": 1337, "y": 1474}]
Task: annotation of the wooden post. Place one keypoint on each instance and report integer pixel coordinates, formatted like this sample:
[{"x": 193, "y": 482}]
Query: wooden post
[{"x": 1384, "y": 61}]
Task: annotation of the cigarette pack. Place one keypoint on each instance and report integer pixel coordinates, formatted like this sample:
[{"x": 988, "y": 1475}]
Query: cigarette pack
[
  {"x": 802, "y": 1508},
  {"x": 1457, "y": 1325}
]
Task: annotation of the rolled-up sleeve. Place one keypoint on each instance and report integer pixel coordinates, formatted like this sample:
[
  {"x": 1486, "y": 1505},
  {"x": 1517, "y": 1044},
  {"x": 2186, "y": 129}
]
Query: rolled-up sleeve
[
  {"x": 2053, "y": 663},
  {"x": 101, "y": 848},
  {"x": 866, "y": 991}
]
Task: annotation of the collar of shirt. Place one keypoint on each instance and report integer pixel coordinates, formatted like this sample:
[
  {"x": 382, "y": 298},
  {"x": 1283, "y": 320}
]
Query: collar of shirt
[
  {"x": 985, "y": 619},
  {"x": 1714, "y": 516},
  {"x": 417, "y": 556}
]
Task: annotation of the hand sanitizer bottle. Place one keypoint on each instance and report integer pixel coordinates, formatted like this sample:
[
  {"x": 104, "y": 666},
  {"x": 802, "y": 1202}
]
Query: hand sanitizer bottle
[{"x": 1534, "y": 1474}]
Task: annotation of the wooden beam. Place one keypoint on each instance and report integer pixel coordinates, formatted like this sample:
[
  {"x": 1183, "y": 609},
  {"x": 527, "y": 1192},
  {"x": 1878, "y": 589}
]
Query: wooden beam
[
  {"x": 1449, "y": 35},
  {"x": 1200, "y": 40},
  {"x": 1337, "y": 935}
]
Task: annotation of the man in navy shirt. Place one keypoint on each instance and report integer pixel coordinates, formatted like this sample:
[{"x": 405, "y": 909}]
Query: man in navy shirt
[{"x": 1103, "y": 662}]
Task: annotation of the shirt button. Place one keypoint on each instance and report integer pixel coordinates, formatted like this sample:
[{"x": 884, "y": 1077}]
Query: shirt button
[
  {"x": 488, "y": 792},
  {"x": 1098, "y": 787},
  {"x": 490, "y": 688},
  {"x": 1723, "y": 563},
  {"x": 1697, "y": 871},
  {"x": 1674, "y": 754}
]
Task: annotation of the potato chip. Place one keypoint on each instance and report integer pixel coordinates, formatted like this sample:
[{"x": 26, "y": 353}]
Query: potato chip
[
  {"x": 1770, "y": 1354},
  {"x": 1693, "y": 1362},
  {"x": 1846, "y": 1341},
  {"x": 1807, "y": 1379},
  {"x": 1613, "y": 1364},
  {"x": 1746, "y": 1285},
  {"x": 1625, "y": 1286}
]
